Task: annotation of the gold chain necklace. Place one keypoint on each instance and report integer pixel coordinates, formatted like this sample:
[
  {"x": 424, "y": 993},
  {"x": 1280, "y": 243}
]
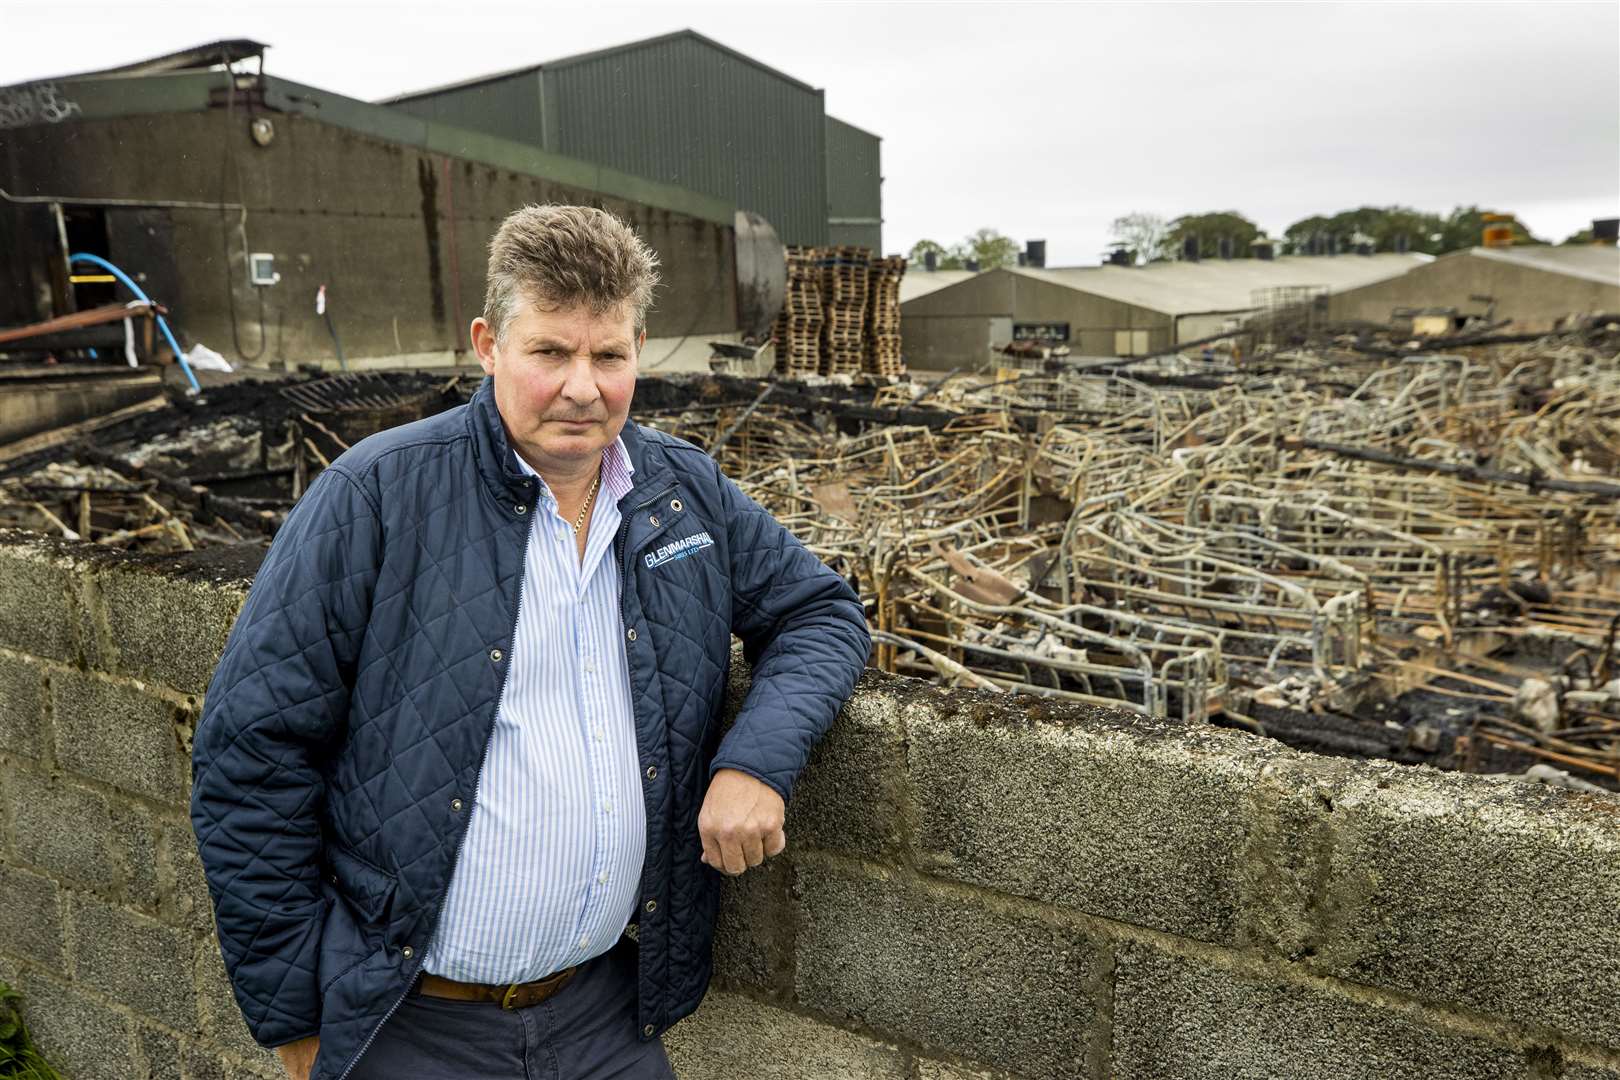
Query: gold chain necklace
[{"x": 590, "y": 497}]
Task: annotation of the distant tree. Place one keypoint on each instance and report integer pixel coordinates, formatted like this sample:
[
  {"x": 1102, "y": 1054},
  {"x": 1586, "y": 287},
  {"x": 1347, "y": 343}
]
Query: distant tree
[
  {"x": 990, "y": 248},
  {"x": 947, "y": 258},
  {"x": 1380, "y": 226},
  {"x": 1582, "y": 237},
  {"x": 1465, "y": 228},
  {"x": 1144, "y": 235},
  {"x": 1209, "y": 229}
]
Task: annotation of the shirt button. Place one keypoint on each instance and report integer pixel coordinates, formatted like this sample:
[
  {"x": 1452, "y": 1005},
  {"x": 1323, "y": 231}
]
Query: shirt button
[
  {"x": 598, "y": 734},
  {"x": 407, "y": 952},
  {"x": 590, "y": 666},
  {"x": 601, "y": 879},
  {"x": 584, "y": 941},
  {"x": 631, "y": 633},
  {"x": 607, "y": 807},
  {"x": 652, "y": 772},
  {"x": 455, "y": 804},
  {"x": 495, "y": 655},
  {"x": 651, "y": 906}
]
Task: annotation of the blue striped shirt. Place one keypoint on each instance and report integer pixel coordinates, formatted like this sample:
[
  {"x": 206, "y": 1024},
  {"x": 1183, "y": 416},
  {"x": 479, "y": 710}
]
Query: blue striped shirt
[{"x": 550, "y": 868}]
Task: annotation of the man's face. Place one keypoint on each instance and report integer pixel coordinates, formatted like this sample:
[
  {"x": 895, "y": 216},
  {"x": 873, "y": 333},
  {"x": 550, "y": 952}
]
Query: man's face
[{"x": 563, "y": 381}]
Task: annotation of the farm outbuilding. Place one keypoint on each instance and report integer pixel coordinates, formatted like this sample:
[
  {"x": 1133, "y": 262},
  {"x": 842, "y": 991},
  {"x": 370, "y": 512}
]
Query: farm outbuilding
[
  {"x": 1115, "y": 310},
  {"x": 685, "y": 110},
  {"x": 235, "y": 198},
  {"x": 1533, "y": 286}
]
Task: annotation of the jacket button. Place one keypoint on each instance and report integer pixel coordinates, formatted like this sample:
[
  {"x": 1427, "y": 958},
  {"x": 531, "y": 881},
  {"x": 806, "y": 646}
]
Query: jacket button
[
  {"x": 455, "y": 804},
  {"x": 652, "y": 519},
  {"x": 675, "y": 505},
  {"x": 519, "y": 508},
  {"x": 631, "y": 633},
  {"x": 495, "y": 655},
  {"x": 652, "y": 772},
  {"x": 648, "y": 1030},
  {"x": 651, "y": 906},
  {"x": 332, "y": 878},
  {"x": 407, "y": 952}
]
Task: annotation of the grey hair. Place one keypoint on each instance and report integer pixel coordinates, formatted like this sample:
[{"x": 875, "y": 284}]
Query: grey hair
[{"x": 568, "y": 256}]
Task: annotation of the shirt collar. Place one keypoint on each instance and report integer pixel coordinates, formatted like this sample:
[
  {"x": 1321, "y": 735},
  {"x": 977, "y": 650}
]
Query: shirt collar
[{"x": 616, "y": 470}]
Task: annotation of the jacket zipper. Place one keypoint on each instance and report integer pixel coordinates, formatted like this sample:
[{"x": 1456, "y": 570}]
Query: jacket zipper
[
  {"x": 625, "y": 571},
  {"x": 461, "y": 840}
]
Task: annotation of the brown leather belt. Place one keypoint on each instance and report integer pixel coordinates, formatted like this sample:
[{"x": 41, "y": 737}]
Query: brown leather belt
[{"x": 506, "y": 995}]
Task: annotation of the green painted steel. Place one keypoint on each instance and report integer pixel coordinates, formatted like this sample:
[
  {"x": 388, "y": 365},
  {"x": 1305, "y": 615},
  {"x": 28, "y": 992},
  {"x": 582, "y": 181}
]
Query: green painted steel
[
  {"x": 684, "y": 110},
  {"x": 679, "y": 110},
  {"x": 507, "y": 106},
  {"x": 854, "y": 186},
  {"x": 145, "y": 95}
]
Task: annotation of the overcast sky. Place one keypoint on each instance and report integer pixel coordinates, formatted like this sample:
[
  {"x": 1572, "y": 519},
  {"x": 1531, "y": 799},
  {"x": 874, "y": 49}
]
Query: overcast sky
[{"x": 1040, "y": 120}]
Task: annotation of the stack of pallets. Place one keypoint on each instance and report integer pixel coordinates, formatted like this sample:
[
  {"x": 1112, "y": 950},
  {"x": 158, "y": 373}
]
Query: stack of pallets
[
  {"x": 844, "y": 274},
  {"x": 797, "y": 331},
  {"x": 881, "y": 355}
]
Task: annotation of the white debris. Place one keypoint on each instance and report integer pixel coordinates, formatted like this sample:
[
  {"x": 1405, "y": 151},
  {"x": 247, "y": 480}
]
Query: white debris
[{"x": 1536, "y": 702}]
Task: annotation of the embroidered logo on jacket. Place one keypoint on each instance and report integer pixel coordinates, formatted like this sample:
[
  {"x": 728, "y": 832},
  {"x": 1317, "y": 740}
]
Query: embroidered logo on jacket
[{"x": 677, "y": 549}]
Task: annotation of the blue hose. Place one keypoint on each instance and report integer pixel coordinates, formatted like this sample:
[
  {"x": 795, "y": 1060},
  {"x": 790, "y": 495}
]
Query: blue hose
[{"x": 163, "y": 324}]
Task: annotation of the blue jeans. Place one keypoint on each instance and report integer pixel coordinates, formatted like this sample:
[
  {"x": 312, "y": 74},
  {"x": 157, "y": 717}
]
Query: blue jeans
[{"x": 585, "y": 1031}]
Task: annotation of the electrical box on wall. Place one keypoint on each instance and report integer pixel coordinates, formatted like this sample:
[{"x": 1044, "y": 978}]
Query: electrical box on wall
[{"x": 262, "y": 268}]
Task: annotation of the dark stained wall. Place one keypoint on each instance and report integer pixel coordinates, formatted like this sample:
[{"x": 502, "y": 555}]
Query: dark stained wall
[{"x": 397, "y": 233}]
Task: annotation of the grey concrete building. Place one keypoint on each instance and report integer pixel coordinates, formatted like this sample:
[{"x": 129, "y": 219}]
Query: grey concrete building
[
  {"x": 234, "y": 197},
  {"x": 1111, "y": 310},
  {"x": 685, "y": 110},
  {"x": 1532, "y": 286}
]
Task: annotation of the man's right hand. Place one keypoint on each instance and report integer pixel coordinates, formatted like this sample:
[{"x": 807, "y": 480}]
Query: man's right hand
[{"x": 299, "y": 1058}]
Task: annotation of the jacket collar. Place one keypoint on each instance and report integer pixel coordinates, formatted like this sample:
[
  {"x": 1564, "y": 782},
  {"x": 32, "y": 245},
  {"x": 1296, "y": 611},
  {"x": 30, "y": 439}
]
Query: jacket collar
[{"x": 497, "y": 464}]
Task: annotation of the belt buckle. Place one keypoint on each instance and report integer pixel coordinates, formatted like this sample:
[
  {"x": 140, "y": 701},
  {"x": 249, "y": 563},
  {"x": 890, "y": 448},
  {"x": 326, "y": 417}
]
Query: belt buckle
[{"x": 506, "y": 998}]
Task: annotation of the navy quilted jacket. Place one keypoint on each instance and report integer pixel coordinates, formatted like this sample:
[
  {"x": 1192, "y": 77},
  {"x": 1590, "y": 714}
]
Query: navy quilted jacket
[{"x": 348, "y": 718}]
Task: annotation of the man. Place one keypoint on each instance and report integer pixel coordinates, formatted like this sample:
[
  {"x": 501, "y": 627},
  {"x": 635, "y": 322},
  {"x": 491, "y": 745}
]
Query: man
[{"x": 465, "y": 731}]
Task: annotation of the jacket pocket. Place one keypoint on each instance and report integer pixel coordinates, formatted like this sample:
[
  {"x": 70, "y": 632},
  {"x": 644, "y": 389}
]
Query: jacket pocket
[
  {"x": 361, "y": 896},
  {"x": 368, "y": 889}
]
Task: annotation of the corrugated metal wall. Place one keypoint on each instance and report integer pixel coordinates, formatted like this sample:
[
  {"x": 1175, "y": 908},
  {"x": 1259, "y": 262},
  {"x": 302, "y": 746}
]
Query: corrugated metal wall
[
  {"x": 507, "y": 107},
  {"x": 682, "y": 111},
  {"x": 854, "y": 186}
]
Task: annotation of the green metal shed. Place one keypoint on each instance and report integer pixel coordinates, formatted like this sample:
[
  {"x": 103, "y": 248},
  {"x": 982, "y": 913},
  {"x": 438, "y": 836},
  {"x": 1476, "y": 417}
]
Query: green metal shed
[{"x": 678, "y": 109}]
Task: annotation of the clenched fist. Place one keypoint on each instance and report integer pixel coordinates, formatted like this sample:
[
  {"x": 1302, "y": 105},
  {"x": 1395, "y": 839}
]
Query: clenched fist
[{"x": 740, "y": 823}]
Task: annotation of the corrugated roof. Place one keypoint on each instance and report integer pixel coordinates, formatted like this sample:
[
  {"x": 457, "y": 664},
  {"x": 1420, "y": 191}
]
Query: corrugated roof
[
  {"x": 1589, "y": 262},
  {"x": 920, "y": 282},
  {"x": 1191, "y": 288}
]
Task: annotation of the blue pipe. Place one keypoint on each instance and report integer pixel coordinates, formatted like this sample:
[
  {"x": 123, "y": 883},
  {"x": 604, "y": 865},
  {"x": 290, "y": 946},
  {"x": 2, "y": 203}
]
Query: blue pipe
[{"x": 163, "y": 324}]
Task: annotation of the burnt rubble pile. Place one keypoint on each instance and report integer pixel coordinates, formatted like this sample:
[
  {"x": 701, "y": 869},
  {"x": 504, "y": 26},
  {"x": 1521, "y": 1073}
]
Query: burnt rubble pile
[{"x": 1352, "y": 543}]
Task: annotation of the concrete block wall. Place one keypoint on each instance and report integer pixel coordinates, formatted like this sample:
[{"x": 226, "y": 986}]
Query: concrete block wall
[
  {"x": 105, "y": 921},
  {"x": 975, "y": 887}
]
